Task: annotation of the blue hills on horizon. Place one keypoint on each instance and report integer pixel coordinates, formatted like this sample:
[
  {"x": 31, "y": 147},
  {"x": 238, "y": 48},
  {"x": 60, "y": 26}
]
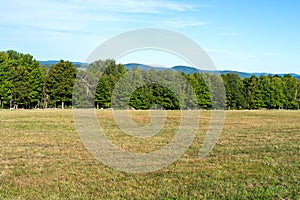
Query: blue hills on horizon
[
  {"x": 48, "y": 63},
  {"x": 178, "y": 68},
  {"x": 190, "y": 70}
]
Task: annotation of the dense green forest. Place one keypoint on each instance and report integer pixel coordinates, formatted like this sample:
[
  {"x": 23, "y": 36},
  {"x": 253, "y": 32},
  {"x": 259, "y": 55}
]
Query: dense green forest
[{"x": 24, "y": 83}]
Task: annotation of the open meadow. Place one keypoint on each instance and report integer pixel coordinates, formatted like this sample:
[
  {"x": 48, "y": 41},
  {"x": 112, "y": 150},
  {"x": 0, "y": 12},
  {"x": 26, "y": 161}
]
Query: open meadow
[{"x": 256, "y": 157}]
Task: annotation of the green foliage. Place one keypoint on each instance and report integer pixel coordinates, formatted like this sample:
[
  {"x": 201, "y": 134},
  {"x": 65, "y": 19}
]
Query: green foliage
[
  {"x": 111, "y": 73},
  {"x": 154, "y": 96},
  {"x": 142, "y": 89},
  {"x": 24, "y": 83},
  {"x": 201, "y": 90},
  {"x": 291, "y": 92},
  {"x": 60, "y": 82},
  {"x": 21, "y": 80},
  {"x": 234, "y": 91}
]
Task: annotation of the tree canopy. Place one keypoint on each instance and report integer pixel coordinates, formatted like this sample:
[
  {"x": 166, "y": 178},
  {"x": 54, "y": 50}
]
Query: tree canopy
[
  {"x": 21, "y": 80},
  {"x": 24, "y": 83},
  {"x": 59, "y": 83}
]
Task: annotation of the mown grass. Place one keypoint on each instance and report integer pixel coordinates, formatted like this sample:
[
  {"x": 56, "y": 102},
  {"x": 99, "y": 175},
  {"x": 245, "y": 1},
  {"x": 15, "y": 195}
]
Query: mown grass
[{"x": 256, "y": 157}]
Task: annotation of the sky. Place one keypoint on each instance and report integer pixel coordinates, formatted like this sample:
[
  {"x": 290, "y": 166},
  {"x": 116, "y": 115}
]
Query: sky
[{"x": 241, "y": 35}]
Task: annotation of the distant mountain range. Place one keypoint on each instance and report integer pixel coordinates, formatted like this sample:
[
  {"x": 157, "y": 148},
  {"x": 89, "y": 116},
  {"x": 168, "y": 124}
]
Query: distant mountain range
[
  {"x": 48, "y": 63},
  {"x": 179, "y": 68},
  {"x": 190, "y": 70}
]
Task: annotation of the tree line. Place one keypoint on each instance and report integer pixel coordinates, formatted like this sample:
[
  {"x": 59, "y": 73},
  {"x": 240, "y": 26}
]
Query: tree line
[
  {"x": 264, "y": 92},
  {"x": 24, "y": 83}
]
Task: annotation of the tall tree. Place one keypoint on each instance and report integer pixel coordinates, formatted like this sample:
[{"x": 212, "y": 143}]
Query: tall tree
[
  {"x": 103, "y": 93},
  {"x": 234, "y": 91},
  {"x": 21, "y": 80},
  {"x": 20, "y": 85},
  {"x": 5, "y": 82},
  {"x": 290, "y": 91},
  {"x": 200, "y": 89},
  {"x": 36, "y": 79},
  {"x": 111, "y": 74},
  {"x": 252, "y": 93},
  {"x": 277, "y": 98},
  {"x": 60, "y": 82}
]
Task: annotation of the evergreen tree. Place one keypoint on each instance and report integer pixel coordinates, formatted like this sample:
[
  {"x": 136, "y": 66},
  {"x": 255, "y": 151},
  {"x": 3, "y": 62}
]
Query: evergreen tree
[
  {"x": 24, "y": 84},
  {"x": 21, "y": 80},
  {"x": 103, "y": 93},
  {"x": 201, "y": 90},
  {"x": 290, "y": 90},
  {"x": 277, "y": 98},
  {"x": 112, "y": 73},
  {"x": 60, "y": 82},
  {"x": 252, "y": 93},
  {"x": 234, "y": 91}
]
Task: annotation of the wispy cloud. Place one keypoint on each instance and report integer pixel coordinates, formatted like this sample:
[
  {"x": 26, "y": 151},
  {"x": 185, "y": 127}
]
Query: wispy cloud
[
  {"x": 181, "y": 23},
  {"x": 136, "y": 6},
  {"x": 150, "y": 6},
  {"x": 61, "y": 22},
  {"x": 76, "y": 15}
]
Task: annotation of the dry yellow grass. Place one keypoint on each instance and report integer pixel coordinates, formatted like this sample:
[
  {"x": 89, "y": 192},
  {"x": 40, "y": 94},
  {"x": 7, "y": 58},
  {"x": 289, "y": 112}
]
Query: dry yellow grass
[{"x": 257, "y": 156}]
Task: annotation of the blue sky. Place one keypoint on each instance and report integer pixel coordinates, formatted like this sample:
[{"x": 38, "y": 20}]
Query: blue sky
[{"x": 243, "y": 35}]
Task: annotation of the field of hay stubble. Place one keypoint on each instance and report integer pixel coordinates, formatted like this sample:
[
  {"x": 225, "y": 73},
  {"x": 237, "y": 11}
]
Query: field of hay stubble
[{"x": 256, "y": 156}]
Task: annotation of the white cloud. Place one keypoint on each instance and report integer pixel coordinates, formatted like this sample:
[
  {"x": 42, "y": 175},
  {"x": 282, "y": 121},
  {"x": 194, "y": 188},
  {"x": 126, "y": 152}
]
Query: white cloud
[
  {"x": 77, "y": 15},
  {"x": 64, "y": 23},
  {"x": 137, "y": 6},
  {"x": 181, "y": 23}
]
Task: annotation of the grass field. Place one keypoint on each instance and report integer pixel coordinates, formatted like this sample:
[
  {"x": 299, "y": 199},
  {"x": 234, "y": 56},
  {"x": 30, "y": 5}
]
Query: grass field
[{"x": 256, "y": 157}]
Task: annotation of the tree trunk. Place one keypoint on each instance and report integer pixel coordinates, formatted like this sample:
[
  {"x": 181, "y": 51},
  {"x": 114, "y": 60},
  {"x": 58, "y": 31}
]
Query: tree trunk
[
  {"x": 45, "y": 101},
  {"x": 62, "y": 105}
]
